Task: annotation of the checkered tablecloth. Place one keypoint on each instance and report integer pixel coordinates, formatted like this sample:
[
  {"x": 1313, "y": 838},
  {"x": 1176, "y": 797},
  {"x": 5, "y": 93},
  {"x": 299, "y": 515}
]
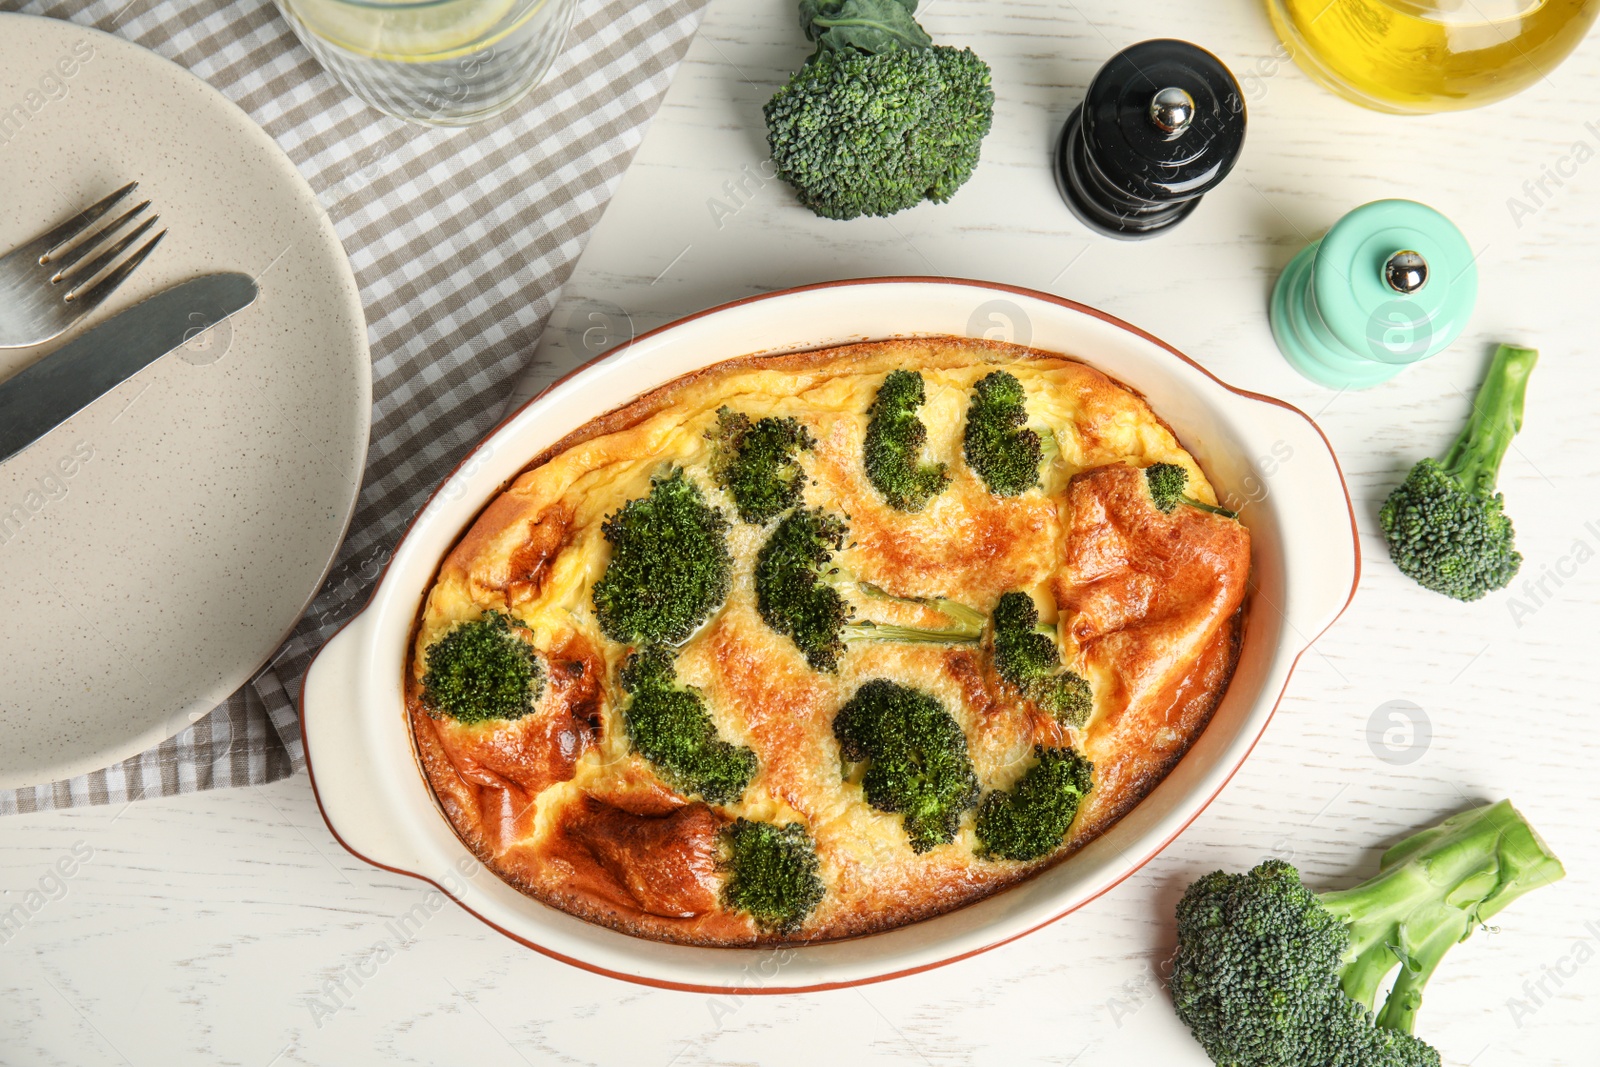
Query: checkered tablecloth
[{"x": 460, "y": 241}]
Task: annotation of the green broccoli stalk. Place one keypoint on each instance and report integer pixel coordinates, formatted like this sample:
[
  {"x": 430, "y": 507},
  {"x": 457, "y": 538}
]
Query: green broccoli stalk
[
  {"x": 756, "y": 463},
  {"x": 1169, "y": 483},
  {"x": 891, "y": 454},
  {"x": 1267, "y": 974},
  {"x": 1446, "y": 526},
  {"x": 669, "y": 726},
  {"x": 915, "y": 755},
  {"x": 1026, "y": 656},
  {"x": 669, "y": 566},
  {"x": 999, "y": 446},
  {"x": 1031, "y": 819},
  {"x": 879, "y": 119},
  {"x": 802, "y": 595},
  {"x": 771, "y": 874},
  {"x": 865, "y": 27},
  {"x": 482, "y": 670}
]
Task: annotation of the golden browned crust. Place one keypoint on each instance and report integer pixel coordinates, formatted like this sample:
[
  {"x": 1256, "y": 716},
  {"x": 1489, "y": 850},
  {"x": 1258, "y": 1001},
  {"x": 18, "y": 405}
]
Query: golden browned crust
[{"x": 1149, "y": 605}]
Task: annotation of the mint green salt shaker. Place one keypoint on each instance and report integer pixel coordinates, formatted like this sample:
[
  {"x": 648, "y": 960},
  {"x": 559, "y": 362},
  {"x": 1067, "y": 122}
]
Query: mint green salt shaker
[{"x": 1392, "y": 283}]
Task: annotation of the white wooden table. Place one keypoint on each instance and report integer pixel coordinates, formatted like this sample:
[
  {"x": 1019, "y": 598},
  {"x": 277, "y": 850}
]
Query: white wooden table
[{"x": 230, "y": 928}]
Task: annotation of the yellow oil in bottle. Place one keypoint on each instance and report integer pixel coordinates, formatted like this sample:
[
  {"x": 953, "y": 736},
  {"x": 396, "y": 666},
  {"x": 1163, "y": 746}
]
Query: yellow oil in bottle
[{"x": 1422, "y": 56}]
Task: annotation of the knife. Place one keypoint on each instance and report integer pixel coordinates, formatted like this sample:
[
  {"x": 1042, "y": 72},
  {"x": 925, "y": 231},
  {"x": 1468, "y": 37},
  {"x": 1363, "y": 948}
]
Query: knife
[{"x": 49, "y": 392}]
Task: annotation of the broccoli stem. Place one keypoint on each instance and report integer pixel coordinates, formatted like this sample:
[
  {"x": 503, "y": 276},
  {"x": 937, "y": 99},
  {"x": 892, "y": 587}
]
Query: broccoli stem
[
  {"x": 1474, "y": 459},
  {"x": 882, "y": 631},
  {"x": 1431, "y": 891},
  {"x": 1051, "y": 466},
  {"x": 968, "y": 622},
  {"x": 1049, "y": 445},
  {"x": 1224, "y": 512},
  {"x": 907, "y": 39}
]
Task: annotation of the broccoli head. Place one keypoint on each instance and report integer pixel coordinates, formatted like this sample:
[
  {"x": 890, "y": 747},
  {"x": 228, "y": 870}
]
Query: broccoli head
[
  {"x": 998, "y": 445},
  {"x": 669, "y": 726},
  {"x": 1031, "y": 819},
  {"x": 1169, "y": 484},
  {"x": 669, "y": 564},
  {"x": 916, "y": 757},
  {"x": 771, "y": 873},
  {"x": 1446, "y": 526},
  {"x": 879, "y": 119},
  {"x": 1025, "y": 654},
  {"x": 801, "y": 594},
  {"x": 756, "y": 463},
  {"x": 895, "y": 436},
  {"x": 482, "y": 670},
  {"x": 1268, "y": 974}
]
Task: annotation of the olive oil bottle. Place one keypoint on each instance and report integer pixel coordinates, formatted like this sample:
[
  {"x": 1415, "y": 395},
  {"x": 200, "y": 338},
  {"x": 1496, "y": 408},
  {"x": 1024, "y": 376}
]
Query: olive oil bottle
[{"x": 1430, "y": 55}]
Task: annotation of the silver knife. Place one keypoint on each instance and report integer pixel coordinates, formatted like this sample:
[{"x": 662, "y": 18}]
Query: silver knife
[{"x": 49, "y": 392}]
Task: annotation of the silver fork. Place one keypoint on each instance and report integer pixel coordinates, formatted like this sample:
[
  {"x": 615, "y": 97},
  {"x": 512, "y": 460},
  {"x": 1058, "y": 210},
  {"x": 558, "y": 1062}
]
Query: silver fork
[{"x": 60, "y": 276}]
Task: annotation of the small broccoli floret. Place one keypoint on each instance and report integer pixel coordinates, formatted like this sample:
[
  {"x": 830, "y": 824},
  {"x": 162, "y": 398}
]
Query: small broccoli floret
[
  {"x": 482, "y": 670},
  {"x": 669, "y": 564},
  {"x": 895, "y": 436},
  {"x": 670, "y": 727},
  {"x": 879, "y": 119},
  {"x": 916, "y": 758},
  {"x": 756, "y": 463},
  {"x": 1446, "y": 526},
  {"x": 998, "y": 445},
  {"x": 1169, "y": 483},
  {"x": 1269, "y": 975},
  {"x": 772, "y": 874},
  {"x": 790, "y": 592},
  {"x": 801, "y": 594},
  {"x": 1025, "y": 654},
  {"x": 1032, "y": 819}
]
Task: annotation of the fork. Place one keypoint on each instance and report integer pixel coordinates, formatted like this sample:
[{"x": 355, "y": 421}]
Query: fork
[{"x": 46, "y": 285}]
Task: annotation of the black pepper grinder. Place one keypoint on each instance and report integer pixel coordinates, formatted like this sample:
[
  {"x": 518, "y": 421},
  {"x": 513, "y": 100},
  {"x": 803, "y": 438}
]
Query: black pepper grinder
[{"x": 1161, "y": 125}]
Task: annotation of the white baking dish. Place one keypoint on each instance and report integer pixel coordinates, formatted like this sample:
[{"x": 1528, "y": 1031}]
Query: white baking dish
[{"x": 1255, "y": 449}]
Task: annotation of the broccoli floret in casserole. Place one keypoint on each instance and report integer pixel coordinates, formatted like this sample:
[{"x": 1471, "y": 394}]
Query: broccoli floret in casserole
[
  {"x": 771, "y": 874},
  {"x": 802, "y": 595},
  {"x": 892, "y": 454},
  {"x": 998, "y": 444},
  {"x": 915, "y": 755},
  {"x": 482, "y": 670},
  {"x": 1026, "y": 655},
  {"x": 758, "y": 463},
  {"x": 670, "y": 726},
  {"x": 1031, "y": 819},
  {"x": 669, "y": 567},
  {"x": 1169, "y": 484}
]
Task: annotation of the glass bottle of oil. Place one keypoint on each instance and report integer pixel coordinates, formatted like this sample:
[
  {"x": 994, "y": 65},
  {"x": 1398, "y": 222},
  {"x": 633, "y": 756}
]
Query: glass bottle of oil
[{"x": 1430, "y": 55}]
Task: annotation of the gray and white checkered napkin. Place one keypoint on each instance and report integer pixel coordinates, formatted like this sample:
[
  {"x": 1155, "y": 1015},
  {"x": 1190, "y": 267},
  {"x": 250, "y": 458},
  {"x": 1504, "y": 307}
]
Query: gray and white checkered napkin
[{"x": 513, "y": 200}]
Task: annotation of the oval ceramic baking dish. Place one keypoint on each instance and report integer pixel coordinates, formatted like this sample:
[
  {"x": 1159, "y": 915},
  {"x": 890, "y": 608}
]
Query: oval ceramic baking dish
[{"x": 1258, "y": 452}]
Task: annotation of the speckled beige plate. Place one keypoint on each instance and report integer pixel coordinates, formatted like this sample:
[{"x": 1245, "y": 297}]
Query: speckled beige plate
[{"x": 156, "y": 549}]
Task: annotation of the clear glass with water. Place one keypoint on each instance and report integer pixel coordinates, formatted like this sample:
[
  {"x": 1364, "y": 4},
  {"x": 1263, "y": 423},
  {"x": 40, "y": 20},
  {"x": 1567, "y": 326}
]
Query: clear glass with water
[{"x": 436, "y": 62}]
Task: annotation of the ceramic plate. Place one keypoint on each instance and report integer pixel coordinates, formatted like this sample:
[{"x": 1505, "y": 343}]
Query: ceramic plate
[{"x": 157, "y": 548}]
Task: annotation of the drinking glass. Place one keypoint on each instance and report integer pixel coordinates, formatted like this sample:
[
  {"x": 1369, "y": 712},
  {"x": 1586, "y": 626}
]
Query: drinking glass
[{"x": 436, "y": 62}]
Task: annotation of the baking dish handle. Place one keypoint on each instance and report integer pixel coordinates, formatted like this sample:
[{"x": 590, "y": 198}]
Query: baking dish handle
[
  {"x": 353, "y": 786},
  {"x": 1300, "y": 487}
]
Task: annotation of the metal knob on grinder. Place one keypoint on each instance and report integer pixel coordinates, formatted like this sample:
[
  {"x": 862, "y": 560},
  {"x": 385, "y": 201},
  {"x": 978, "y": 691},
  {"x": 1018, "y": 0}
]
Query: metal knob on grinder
[{"x": 1162, "y": 124}]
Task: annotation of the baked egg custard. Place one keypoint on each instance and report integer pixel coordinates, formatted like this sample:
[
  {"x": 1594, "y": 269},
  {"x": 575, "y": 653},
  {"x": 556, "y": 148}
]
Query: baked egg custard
[{"x": 810, "y": 646}]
